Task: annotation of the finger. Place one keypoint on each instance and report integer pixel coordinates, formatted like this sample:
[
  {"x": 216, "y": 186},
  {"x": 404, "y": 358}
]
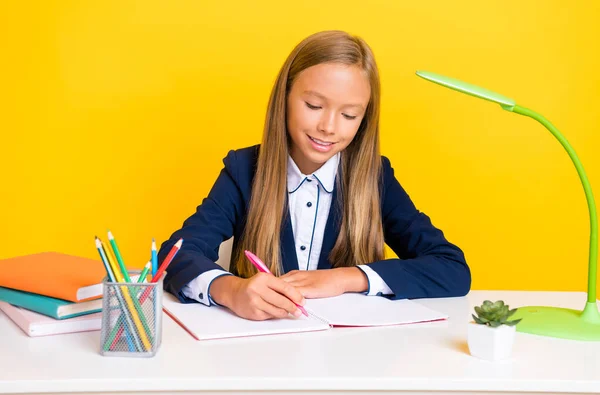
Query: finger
[
  {"x": 309, "y": 291},
  {"x": 258, "y": 315},
  {"x": 299, "y": 280},
  {"x": 288, "y": 279},
  {"x": 299, "y": 283},
  {"x": 252, "y": 308},
  {"x": 281, "y": 302},
  {"x": 271, "y": 310},
  {"x": 294, "y": 277},
  {"x": 286, "y": 289},
  {"x": 292, "y": 274}
]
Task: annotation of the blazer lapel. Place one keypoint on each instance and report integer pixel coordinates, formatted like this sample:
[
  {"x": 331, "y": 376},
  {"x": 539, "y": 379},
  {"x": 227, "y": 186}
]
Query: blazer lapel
[
  {"x": 288, "y": 246},
  {"x": 331, "y": 231}
]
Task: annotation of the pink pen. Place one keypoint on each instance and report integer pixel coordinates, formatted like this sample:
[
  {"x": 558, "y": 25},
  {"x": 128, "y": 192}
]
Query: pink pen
[{"x": 263, "y": 268}]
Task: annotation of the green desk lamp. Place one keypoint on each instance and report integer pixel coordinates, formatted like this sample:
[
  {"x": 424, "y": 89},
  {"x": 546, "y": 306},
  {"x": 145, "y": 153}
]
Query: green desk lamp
[{"x": 546, "y": 320}]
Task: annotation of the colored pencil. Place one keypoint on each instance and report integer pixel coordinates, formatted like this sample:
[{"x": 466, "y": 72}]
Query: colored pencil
[
  {"x": 167, "y": 260},
  {"x": 144, "y": 272},
  {"x": 128, "y": 323},
  {"x": 107, "y": 267},
  {"x": 112, "y": 262},
  {"x": 115, "y": 248},
  {"x": 162, "y": 268},
  {"x": 154, "y": 258}
]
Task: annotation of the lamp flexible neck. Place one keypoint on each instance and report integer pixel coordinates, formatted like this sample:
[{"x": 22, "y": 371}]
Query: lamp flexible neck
[{"x": 593, "y": 255}]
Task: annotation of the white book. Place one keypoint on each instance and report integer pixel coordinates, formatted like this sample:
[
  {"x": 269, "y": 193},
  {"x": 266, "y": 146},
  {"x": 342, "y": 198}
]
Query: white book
[
  {"x": 352, "y": 309},
  {"x": 34, "y": 324}
]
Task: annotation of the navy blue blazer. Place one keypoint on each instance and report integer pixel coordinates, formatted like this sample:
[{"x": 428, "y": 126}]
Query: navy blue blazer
[{"x": 428, "y": 266}]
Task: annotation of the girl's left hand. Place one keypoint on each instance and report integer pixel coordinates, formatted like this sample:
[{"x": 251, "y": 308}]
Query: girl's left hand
[{"x": 327, "y": 282}]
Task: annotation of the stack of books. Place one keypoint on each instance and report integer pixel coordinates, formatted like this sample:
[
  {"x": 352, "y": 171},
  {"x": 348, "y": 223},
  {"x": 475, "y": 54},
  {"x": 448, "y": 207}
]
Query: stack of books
[{"x": 52, "y": 293}]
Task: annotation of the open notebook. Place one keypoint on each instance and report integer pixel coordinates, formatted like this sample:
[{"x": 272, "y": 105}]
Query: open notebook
[{"x": 215, "y": 322}]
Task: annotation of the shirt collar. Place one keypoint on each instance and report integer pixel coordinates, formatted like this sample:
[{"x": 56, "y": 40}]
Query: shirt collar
[{"x": 325, "y": 175}]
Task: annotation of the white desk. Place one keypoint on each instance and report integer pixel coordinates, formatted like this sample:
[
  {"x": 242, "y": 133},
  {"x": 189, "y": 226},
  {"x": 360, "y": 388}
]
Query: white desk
[{"x": 429, "y": 357}]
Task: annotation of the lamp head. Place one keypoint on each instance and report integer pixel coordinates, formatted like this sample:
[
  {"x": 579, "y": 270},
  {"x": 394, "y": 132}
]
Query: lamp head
[{"x": 460, "y": 86}]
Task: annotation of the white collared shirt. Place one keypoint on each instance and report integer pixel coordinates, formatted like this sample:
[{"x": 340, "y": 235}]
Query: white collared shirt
[{"x": 309, "y": 201}]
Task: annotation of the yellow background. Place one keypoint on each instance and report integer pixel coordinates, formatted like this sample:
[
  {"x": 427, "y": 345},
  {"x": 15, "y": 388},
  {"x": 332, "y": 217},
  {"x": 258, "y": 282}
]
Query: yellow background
[{"x": 117, "y": 114}]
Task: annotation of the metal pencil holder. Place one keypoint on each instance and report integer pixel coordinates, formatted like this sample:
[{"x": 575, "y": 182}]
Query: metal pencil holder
[{"x": 131, "y": 318}]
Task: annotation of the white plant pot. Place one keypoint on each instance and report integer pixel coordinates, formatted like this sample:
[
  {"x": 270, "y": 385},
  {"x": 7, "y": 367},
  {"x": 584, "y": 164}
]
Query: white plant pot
[{"x": 489, "y": 343}]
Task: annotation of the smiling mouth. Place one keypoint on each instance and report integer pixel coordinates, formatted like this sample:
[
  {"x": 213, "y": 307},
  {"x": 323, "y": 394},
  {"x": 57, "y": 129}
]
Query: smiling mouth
[{"x": 321, "y": 142}]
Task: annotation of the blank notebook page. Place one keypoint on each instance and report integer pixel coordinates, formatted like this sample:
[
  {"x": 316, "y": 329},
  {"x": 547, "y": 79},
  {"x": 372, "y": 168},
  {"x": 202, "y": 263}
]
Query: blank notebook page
[
  {"x": 218, "y": 322},
  {"x": 353, "y": 309}
]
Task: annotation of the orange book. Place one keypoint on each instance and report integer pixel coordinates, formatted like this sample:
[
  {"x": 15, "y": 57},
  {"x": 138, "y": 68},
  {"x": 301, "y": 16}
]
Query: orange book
[{"x": 54, "y": 274}]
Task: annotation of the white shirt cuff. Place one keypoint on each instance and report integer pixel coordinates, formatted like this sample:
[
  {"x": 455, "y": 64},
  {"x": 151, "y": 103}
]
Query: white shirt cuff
[
  {"x": 198, "y": 289},
  {"x": 376, "y": 284}
]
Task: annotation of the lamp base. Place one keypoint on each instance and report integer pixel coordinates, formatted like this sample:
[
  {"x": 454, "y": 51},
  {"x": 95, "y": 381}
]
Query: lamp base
[{"x": 560, "y": 322}]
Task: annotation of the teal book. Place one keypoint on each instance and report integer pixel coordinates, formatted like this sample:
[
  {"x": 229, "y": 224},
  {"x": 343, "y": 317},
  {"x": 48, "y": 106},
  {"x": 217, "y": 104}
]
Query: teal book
[{"x": 52, "y": 307}]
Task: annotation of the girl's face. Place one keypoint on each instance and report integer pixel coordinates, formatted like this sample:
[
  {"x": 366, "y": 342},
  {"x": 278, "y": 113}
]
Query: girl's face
[{"x": 325, "y": 107}]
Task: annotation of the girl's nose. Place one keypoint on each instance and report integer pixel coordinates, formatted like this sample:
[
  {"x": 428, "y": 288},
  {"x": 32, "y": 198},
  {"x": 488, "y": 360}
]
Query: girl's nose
[{"x": 327, "y": 122}]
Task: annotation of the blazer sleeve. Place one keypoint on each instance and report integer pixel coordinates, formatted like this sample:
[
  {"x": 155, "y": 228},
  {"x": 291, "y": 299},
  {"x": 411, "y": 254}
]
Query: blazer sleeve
[
  {"x": 212, "y": 223},
  {"x": 429, "y": 266}
]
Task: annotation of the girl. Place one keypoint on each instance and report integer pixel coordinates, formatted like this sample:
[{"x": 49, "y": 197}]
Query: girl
[{"x": 315, "y": 201}]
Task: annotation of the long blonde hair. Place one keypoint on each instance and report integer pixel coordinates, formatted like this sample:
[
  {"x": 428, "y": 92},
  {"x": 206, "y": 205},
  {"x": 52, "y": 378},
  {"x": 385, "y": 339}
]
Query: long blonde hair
[{"x": 360, "y": 239}]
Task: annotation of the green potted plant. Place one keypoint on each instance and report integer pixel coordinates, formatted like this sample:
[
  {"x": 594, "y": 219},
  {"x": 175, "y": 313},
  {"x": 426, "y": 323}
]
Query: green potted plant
[{"x": 491, "y": 335}]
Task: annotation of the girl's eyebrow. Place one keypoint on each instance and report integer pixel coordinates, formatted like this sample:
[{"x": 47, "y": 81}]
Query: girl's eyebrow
[{"x": 317, "y": 94}]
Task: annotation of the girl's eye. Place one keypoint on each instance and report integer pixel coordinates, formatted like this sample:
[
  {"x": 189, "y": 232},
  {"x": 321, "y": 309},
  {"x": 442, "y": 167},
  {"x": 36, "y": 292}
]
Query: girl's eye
[
  {"x": 348, "y": 117},
  {"x": 311, "y": 106}
]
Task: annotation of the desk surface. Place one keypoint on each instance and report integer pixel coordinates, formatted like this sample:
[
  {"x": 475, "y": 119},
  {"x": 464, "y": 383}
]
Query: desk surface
[{"x": 419, "y": 357}]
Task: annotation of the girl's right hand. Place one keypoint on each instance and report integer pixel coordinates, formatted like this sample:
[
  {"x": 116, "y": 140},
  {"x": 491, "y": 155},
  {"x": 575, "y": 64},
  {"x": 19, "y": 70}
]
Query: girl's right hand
[{"x": 260, "y": 297}]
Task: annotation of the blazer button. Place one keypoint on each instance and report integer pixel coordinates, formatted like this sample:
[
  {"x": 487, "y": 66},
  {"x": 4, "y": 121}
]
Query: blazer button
[
  {"x": 309, "y": 204},
  {"x": 201, "y": 296},
  {"x": 303, "y": 248}
]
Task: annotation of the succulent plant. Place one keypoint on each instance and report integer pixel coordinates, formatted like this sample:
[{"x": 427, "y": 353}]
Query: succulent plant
[{"x": 494, "y": 314}]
